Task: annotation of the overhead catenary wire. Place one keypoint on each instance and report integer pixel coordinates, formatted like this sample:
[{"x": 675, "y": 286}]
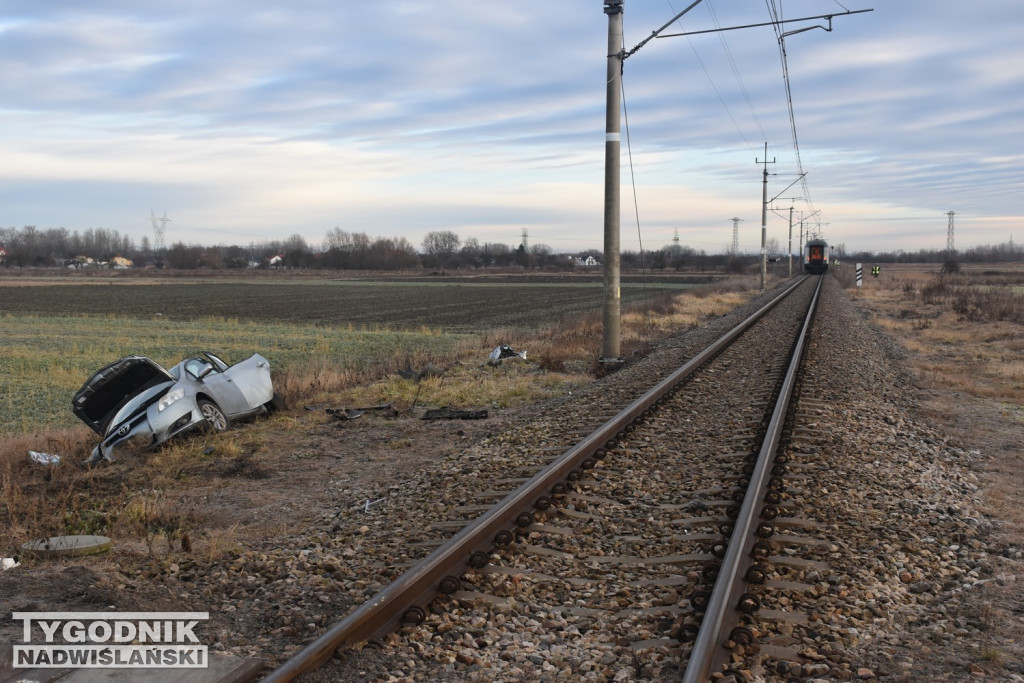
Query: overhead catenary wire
[
  {"x": 776, "y": 13},
  {"x": 711, "y": 80},
  {"x": 777, "y": 22},
  {"x": 736, "y": 73},
  {"x": 735, "y": 70},
  {"x": 636, "y": 204}
]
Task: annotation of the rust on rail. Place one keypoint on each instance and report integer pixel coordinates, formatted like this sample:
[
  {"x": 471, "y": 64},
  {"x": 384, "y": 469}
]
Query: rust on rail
[
  {"x": 402, "y": 600},
  {"x": 728, "y": 599}
]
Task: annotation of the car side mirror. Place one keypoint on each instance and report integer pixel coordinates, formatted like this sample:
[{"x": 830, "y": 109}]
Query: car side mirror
[{"x": 207, "y": 369}]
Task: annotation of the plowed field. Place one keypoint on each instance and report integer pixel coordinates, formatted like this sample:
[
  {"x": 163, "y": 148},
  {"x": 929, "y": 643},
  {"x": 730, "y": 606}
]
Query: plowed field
[{"x": 398, "y": 305}]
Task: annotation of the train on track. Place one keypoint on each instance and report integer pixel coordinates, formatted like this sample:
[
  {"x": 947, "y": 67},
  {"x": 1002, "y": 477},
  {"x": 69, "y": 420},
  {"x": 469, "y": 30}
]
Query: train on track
[{"x": 816, "y": 257}]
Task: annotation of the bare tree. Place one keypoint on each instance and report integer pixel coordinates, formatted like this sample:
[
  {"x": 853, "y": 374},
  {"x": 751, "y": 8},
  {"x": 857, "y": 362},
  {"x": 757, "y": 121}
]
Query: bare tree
[{"x": 441, "y": 246}]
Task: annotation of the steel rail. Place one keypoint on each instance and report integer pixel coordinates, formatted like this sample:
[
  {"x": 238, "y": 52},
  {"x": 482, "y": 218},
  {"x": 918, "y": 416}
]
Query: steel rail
[
  {"x": 722, "y": 612},
  {"x": 386, "y": 611}
]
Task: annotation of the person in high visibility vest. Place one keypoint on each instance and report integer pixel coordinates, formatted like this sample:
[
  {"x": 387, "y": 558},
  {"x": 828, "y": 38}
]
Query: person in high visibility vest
[{"x": 875, "y": 270}]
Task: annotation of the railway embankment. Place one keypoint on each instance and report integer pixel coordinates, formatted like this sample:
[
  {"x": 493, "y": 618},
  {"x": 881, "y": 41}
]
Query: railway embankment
[{"x": 909, "y": 499}]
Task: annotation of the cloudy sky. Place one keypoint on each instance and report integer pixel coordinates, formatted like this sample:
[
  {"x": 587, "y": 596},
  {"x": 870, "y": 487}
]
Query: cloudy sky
[{"x": 253, "y": 121}]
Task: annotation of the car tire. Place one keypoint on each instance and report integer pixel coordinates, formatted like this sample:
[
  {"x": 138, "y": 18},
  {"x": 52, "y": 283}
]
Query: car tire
[{"x": 215, "y": 418}]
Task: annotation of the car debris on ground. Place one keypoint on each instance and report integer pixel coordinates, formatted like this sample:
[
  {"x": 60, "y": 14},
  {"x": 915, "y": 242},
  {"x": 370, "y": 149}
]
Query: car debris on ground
[
  {"x": 448, "y": 413},
  {"x": 504, "y": 352},
  {"x": 44, "y": 458},
  {"x": 346, "y": 414},
  {"x": 67, "y": 546}
]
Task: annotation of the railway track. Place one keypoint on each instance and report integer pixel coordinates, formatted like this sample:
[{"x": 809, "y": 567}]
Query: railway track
[{"x": 651, "y": 525}]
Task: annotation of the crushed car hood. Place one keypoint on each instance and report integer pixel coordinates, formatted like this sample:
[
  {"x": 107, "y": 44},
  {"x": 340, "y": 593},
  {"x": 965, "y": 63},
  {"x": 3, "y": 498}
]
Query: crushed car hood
[{"x": 110, "y": 389}]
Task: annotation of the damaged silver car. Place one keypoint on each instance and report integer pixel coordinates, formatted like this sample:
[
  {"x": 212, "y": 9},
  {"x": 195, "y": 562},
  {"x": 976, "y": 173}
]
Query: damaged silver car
[{"x": 135, "y": 404}]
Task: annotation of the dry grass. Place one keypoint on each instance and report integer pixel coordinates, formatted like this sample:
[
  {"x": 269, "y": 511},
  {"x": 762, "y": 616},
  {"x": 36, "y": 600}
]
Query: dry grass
[
  {"x": 146, "y": 502},
  {"x": 965, "y": 337},
  {"x": 559, "y": 357},
  {"x": 965, "y": 344},
  {"x": 972, "y": 363}
]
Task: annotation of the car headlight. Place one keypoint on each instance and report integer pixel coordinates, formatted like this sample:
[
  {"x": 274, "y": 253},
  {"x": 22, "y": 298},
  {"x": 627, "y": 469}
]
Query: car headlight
[{"x": 169, "y": 398}]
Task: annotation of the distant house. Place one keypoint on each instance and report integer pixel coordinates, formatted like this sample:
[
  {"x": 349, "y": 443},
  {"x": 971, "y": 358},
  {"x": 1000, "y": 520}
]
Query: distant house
[
  {"x": 588, "y": 262},
  {"x": 120, "y": 263},
  {"x": 276, "y": 261},
  {"x": 82, "y": 262},
  {"x": 3, "y": 254}
]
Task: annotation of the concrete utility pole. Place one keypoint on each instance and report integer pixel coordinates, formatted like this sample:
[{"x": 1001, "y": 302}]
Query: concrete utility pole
[
  {"x": 791, "y": 240},
  {"x": 790, "y": 200},
  {"x": 800, "y": 241},
  {"x": 617, "y": 56},
  {"x": 764, "y": 218},
  {"x": 610, "y": 349}
]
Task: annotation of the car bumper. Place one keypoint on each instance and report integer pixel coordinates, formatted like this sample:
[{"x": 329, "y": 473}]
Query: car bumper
[{"x": 149, "y": 429}]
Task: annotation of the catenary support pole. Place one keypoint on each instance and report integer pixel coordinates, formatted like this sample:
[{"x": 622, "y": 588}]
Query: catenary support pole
[
  {"x": 764, "y": 220},
  {"x": 790, "y": 240},
  {"x": 610, "y": 350}
]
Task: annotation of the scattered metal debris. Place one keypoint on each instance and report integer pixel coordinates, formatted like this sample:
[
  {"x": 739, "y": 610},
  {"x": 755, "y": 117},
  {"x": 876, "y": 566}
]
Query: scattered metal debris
[
  {"x": 502, "y": 352},
  {"x": 67, "y": 546},
  {"x": 448, "y": 413},
  {"x": 346, "y": 414},
  {"x": 44, "y": 458}
]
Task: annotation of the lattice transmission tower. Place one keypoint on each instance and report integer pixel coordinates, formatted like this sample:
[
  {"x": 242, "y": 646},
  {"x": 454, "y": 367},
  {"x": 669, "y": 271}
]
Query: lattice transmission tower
[
  {"x": 159, "y": 226},
  {"x": 735, "y": 236},
  {"x": 949, "y": 235}
]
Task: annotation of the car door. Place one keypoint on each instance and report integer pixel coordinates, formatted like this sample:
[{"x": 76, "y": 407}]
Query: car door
[
  {"x": 225, "y": 393},
  {"x": 251, "y": 377}
]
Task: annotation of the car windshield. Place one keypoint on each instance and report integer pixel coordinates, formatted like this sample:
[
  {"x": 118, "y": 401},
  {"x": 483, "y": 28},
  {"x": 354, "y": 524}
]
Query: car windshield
[
  {"x": 195, "y": 367},
  {"x": 220, "y": 365}
]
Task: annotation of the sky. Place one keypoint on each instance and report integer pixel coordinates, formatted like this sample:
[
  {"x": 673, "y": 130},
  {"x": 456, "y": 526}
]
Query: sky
[{"x": 248, "y": 122}]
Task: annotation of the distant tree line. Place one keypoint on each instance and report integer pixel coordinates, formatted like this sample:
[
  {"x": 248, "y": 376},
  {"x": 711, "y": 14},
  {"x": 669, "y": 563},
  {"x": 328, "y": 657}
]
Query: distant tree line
[
  {"x": 1007, "y": 252},
  {"x": 30, "y": 247}
]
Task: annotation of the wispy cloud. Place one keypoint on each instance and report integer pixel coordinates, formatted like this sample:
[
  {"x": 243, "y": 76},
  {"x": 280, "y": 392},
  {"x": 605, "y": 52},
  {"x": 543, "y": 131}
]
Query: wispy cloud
[{"x": 250, "y": 121}]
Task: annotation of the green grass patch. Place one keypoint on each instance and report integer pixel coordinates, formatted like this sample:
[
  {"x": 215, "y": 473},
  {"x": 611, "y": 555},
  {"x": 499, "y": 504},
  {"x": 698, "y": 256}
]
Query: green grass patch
[{"x": 47, "y": 358}]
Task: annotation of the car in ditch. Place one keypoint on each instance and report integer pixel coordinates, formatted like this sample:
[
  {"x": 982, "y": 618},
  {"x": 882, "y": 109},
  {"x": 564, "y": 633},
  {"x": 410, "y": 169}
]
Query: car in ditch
[{"x": 135, "y": 404}]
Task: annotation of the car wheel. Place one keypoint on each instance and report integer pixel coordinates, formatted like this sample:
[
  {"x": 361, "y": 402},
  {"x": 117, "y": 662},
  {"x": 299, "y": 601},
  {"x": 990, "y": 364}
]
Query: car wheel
[{"x": 214, "y": 416}]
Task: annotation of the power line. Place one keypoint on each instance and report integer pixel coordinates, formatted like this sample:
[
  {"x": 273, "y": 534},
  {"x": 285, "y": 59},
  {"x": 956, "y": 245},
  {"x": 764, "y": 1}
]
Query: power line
[
  {"x": 714, "y": 87},
  {"x": 776, "y": 14},
  {"x": 735, "y": 69}
]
